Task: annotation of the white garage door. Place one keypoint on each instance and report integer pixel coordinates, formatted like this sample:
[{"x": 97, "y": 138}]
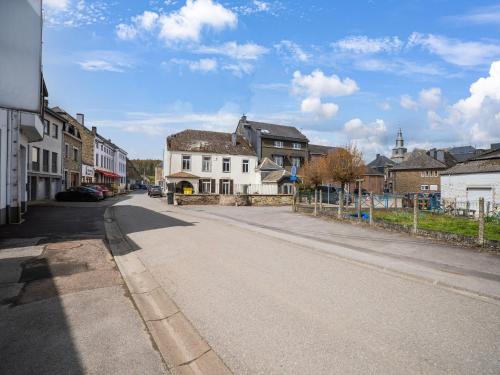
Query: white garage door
[{"x": 474, "y": 193}]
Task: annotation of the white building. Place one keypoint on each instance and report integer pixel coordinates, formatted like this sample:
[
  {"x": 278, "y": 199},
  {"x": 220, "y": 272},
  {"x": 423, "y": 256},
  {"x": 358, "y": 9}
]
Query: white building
[
  {"x": 110, "y": 162},
  {"x": 205, "y": 162},
  {"x": 473, "y": 179},
  {"x": 44, "y": 159}
]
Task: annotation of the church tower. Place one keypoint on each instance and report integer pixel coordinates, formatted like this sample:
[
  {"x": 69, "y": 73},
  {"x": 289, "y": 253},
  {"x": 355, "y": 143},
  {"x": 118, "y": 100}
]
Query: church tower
[{"x": 399, "y": 152}]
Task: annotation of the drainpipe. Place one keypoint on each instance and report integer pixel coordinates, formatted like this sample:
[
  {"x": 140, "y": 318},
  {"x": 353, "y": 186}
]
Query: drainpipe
[{"x": 7, "y": 165}]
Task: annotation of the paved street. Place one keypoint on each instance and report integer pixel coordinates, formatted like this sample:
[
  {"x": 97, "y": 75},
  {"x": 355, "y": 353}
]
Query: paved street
[
  {"x": 315, "y": 299},
  {"x": 64, "y": 308}
]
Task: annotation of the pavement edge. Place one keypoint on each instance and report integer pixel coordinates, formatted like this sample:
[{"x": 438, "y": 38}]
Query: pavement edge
[{"x": 182, "y": 348}]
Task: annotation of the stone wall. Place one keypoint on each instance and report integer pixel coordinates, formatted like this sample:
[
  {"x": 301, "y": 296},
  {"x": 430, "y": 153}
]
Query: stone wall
[
  {"x": 234, "y": 200},
  {"x": 88, "y": 139},
  {"x": 68, "y": 162},
  {"x": 410, "y": 181}
]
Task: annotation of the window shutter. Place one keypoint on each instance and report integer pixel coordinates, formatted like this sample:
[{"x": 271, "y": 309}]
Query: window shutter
[
  {"x": 200, "y": 186},
  {"x": 220, "y": 186},
  {"x": 231, "y": 190},
  {"x": 212, "y": 186}
]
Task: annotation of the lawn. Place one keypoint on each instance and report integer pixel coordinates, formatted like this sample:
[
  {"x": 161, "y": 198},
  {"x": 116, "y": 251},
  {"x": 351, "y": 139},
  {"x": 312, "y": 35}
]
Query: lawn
[{"x": 442, "y": 223}]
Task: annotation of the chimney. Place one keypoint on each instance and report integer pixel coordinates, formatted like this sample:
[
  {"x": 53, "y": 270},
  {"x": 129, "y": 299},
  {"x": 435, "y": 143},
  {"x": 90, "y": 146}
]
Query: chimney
[
  {"x": 440, "y": 155},
  {"x": 94, "y": 130},
  {"x": 233, "y": 139},
  {"x": 243, "y": 118},
  {"x": 378, "y": 155},
  {"x": 80, "y": 117}
]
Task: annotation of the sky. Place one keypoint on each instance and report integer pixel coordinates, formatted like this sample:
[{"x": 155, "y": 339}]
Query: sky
[{"x": 343, "y": 72}]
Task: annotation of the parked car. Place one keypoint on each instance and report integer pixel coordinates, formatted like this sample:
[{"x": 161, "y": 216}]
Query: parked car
[
  {"x": 103, "y": 189},
  {"x": 155, "y": 191},
  {"x": 80, "y": 194}
]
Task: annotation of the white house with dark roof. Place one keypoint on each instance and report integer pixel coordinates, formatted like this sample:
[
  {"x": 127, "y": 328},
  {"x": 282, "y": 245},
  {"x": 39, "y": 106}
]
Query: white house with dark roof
[
  {"x": 206, "y": 162},
  {"x": 472, "y": 179}
]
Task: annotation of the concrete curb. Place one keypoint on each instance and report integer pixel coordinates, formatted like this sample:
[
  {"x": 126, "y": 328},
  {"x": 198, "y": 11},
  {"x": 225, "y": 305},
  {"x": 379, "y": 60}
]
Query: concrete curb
[{"x": 181, "y": 346}]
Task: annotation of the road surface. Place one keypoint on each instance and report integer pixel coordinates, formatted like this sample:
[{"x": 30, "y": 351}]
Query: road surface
[{"x": 270, "y": 303}]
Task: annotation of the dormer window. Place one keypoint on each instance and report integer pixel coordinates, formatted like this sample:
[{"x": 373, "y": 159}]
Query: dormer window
[
  {"x": 296, "y": 146},
  {"x": 278, "y": 144}
]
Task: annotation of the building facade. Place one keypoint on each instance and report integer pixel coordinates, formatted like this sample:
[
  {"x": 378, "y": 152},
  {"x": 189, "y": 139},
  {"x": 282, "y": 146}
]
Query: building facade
[
  {"x": 110, "y": 163},
  {"x": 285, "y": 145},
  {"x": 204, "y": 162},
  {"x": 45, "y": 162},
  {"x": 72, "y": 153},
  {"x": 399, "y": 152}
]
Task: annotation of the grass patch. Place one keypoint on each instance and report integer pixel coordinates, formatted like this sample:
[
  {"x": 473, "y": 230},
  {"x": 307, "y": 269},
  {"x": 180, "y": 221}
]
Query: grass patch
[{"x": 441, "y": 223}]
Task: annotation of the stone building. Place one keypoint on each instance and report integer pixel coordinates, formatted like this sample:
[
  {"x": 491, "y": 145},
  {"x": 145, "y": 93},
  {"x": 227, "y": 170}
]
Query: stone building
[
  {"x": 72, "y": 152},
  {"x": 399, "y": 152},
  {"x": 285, "y": 145},
  {"x": 420, "y": 171},
  {"x": 383, "y": 164},
  {"x": 87, "y": 137}
]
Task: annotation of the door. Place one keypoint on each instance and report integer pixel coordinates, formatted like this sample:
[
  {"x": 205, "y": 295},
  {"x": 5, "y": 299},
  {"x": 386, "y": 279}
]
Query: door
[
  {"x": 474, "y": 193},
  {"x": 33, "y": 186}
]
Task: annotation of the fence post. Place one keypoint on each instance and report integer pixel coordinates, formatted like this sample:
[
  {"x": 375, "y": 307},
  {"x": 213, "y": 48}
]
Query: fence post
[
  {"x": 315, "y": 202},
  {"x": 321, "y": 200},
  {"x": 480, "y": 237},
  {"x": 341, "y": 202},
  {"x": 415, "y": 214},
  {"x": 371, "y": 209},
  {"x": 359, "y": 202}
]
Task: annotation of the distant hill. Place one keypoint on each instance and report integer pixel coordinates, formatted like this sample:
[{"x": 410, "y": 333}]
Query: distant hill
[{"x": 146, "y": 166}]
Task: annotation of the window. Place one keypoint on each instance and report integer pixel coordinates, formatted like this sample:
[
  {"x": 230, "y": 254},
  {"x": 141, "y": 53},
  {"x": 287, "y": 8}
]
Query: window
[
  {"x": 278, "y": 159},
  {"x": 226, "y": 187},
  {"x": 186, "y": 162},
  {"x": 66, "y": 151},
  {"x": 35, "y": 158},
  {"x": 206, "y": 186},
  {"x": 54, "y": 162},
  {"x": 55, "y": 131},
  {"x": 296, "y": 146},
  {"x": 296, "y": 161},
  {"x": 206, "y": 164},
  {"x": 245, "y": 166},
  {"x": 75, "y": 154},
  {"x": 226, "y": 165},
  {"x": 45, "y": 162},
  {"x": 97, "y": 159},
  {"x": 46, "y": 127},
  {"x": 278, "y": 144},
  {"x": 424, "y": 187}
]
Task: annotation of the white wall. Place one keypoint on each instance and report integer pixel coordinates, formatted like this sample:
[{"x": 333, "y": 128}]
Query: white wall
[
  {"x": 173, "y": 163},
  {"x": 455, "y": 186},
  {"x": 3, "y": 162}
]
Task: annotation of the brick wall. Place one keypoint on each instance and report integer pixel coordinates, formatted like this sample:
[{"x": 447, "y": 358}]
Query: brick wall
[{"x": 411, "y": 182}]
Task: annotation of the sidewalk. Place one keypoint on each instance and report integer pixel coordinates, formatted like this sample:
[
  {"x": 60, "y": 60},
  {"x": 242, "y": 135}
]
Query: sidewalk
[{"x": 63, "y": 304}]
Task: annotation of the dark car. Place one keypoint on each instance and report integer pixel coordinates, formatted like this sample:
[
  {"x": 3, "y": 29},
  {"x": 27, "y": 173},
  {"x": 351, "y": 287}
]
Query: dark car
[
  {"x": 103, "y": 189},
  {"x": 80, "y": 194},
  {"x": 155, "y": 191}
]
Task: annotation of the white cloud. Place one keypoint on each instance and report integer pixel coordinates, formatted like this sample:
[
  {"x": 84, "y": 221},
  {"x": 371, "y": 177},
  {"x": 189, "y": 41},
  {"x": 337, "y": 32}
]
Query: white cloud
[
  {"x": 100, "y": 65},
  {"x": 365, "y": 45},
  {"x": 126, "y": 32},
  {"x": 239, "y": 68},
  {"x": 187, "y": 23},
  {"x": 203, "y": 65},
  {"x": 370, "y": 138},
  {"x": 385, "y": 105},
  {"x": 317, "y": 85},
  {"x": 456, "y": 51},
  {"x": 315, "y": 106},
  {"x": 397, "y": 66},
  {"x": 430, "y": 98},
  {"x": 147, "y": 20},
  {"x": 481, "y": 16},
  {"x": 289, "y": 48},
  {"x": 247, "y": 51},
  {"x": 103, "y": 60},
  {"x": 56, "y": 4},
  {"x": 408, "y": 103},
  {"x": 255, "y": 6}
]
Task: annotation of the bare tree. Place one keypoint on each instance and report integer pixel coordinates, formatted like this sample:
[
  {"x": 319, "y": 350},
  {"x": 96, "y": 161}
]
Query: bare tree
[
  {"x": 312, "y": 174},
  {"x": 343, "y": 165}
]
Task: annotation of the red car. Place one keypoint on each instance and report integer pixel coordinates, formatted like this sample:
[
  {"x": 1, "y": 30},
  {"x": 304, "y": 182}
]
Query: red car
[{"x": 102, "y": 189}]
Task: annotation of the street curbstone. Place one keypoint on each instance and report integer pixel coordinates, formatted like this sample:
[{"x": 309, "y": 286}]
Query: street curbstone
[
  {"x": 177, "y": 339},
  {"x": 155, "y": 305}
]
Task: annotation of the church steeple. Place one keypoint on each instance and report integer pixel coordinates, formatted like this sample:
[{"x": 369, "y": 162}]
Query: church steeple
[{"x": 399, "y": 152}]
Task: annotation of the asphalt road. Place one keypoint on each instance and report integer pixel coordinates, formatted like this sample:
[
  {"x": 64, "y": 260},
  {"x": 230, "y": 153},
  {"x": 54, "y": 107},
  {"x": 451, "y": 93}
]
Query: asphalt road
[{"x": 267, "y": 305}]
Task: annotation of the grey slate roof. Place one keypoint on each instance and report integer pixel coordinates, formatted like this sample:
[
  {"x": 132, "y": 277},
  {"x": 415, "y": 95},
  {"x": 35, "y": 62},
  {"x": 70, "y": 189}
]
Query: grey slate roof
[
  {"x": 475, "y": 166},
  {"x": 380, "y": 162},
  {"x": 320, "y": 150},
  {"x": 275, "y": 130},
  {"x": 372, "y": 172},
  {"x": 268, "y": 165},
  {"x": 419, "y": 159},
  {"x": 462, "y": 153},
  {"x": 276, "y": 176},
  {"x": 491, "y": 154},
  {"x": 209, "y": 142}
]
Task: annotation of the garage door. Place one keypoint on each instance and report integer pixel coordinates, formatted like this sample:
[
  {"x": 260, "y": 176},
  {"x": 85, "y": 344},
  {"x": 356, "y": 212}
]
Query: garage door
[{"x": 474, "y": 193}]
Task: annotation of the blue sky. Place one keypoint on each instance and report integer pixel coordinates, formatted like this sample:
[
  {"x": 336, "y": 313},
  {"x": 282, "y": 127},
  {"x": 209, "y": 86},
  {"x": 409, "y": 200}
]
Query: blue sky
[{"x": 341, "y": 71}]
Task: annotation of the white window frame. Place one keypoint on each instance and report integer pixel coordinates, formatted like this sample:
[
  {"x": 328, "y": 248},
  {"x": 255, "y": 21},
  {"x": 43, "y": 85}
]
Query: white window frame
[
  {"x": 224, "y": 160},
  {"x": 205, "y": 158},
  {"x": 187, "y": 159},
  {"x": 275, "y": 157},
  {"x": 66, "y": 150},
  {"x": 204, "y": 185},
  {"x": 424, "y": 187},
  {"x": 296, "y": 161},
  {"x": 278, "y": 144},
  {"x": 245, "y": 166},
  {"x": 226, "y": 187},
  {"x": 296, "y": 146}
]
